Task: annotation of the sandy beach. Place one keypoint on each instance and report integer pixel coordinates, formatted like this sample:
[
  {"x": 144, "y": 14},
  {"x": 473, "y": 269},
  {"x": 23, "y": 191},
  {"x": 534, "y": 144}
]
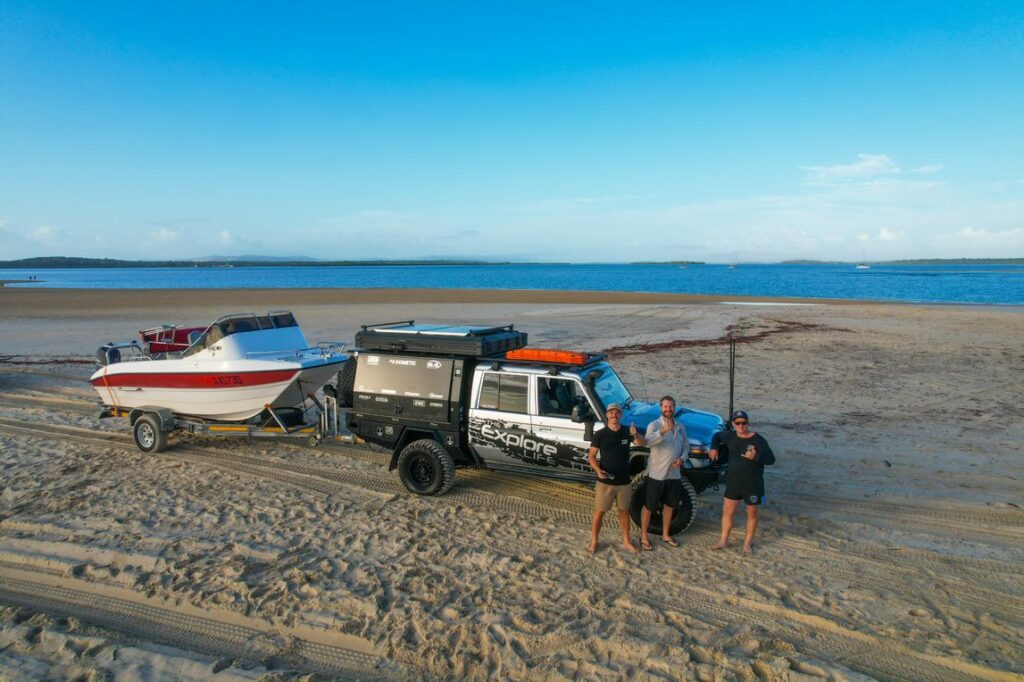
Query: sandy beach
[{"x": 891, "y": 547}]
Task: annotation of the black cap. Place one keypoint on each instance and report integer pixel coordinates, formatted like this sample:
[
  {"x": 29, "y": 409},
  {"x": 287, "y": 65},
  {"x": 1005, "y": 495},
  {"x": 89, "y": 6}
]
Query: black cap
[{"x": 739, "y": 414}]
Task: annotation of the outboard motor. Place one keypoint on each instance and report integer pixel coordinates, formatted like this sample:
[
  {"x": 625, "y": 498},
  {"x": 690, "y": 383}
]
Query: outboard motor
[{"x": 108, "y": 355}]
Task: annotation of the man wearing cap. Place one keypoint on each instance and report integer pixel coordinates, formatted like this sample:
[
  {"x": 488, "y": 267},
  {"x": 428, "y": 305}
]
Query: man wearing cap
[
  {"x": 666, "y": 437},
  {"x": 748, "y": 454},
  {"x": 613, "y": 484}
]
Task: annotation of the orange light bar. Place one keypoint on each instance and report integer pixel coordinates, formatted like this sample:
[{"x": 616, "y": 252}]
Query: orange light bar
[{"x": 562, "y": 357}]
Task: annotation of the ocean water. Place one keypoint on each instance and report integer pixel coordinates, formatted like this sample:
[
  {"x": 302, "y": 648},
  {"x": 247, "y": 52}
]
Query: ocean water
[{"x": 983, "y": 284}]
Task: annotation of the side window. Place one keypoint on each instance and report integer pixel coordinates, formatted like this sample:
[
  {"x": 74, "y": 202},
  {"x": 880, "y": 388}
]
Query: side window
[
  {"x": 556, "y": 397},
  {"x": 504, "y": 392},
  {"x": 489, "y": 392}
]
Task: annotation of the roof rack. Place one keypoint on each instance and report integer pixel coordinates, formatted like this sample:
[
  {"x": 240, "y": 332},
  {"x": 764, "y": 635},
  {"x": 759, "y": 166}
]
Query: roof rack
[{"x": 440, "y": 339}]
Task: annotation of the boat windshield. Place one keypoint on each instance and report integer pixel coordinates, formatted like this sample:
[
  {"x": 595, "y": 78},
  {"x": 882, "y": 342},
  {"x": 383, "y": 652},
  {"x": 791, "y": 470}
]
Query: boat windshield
[
  {"x": 610, "y": 389},
  {"x": 236, "y": 324}
]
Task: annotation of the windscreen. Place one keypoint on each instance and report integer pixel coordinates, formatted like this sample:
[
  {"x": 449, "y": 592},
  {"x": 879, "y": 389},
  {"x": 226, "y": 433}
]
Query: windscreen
[{"x": 610, "y": 389}]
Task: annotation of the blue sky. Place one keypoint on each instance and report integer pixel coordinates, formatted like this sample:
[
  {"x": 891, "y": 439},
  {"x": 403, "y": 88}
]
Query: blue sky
[{"x": 541, "y": 131}]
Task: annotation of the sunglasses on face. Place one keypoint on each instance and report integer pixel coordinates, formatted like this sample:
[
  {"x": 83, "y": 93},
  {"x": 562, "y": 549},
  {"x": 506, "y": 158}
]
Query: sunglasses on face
[{"x": 739, "y": 422}]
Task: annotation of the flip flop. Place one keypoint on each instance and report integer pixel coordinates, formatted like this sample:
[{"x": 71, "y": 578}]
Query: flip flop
[
  {"x": 646, "y": 546},
  {"x": 670, "y": 542}
]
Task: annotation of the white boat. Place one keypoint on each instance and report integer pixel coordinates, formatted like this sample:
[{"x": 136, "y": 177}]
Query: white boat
[
  {"x": 863, "y": 266},
  {"x": 231, "y": 371}
]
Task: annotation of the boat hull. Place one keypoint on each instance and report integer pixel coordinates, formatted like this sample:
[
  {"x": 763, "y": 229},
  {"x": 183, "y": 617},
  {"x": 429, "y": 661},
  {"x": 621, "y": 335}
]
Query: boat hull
[{"x": 224, "y": 392}]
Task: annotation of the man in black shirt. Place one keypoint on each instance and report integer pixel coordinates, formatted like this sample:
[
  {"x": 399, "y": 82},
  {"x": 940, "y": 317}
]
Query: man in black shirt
[
  {"x": 748, "y": 454},
  {"x": 613, "y": 484}
]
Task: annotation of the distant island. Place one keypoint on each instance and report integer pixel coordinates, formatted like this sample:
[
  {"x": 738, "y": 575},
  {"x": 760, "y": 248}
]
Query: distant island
[
  {"x": 668, "y": 262},
  {"x": 958, "y": 261},
  {"x": 72, "y": 262},
  {"x": 916, "y": 261},
  {"x": 53, "y": 262}
]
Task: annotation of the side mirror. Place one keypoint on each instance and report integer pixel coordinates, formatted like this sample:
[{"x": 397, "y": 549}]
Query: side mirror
[{"x": 581, "y": 412}]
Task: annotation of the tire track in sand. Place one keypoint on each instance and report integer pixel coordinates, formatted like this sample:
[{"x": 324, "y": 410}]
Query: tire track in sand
[
  {"x": 1005, "y": 525},
  {"x": 209, "y": 631},
  {"x": 811, "y": 633},
  {"x": 322, "y": 479}
]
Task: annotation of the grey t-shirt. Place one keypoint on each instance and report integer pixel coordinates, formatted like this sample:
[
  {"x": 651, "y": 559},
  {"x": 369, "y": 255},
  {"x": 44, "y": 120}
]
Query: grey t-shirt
[{"x": 666, "y": 449}]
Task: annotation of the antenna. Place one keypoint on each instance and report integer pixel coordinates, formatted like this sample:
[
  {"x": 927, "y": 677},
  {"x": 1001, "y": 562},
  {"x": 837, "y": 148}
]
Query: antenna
[
  {"x": 732, "y": 379},
  {"x": 643, "y": 382}
]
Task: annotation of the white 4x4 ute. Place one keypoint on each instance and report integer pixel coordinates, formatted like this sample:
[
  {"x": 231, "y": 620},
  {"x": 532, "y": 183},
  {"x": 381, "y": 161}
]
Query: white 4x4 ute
[{"x": 444, "y": 396}]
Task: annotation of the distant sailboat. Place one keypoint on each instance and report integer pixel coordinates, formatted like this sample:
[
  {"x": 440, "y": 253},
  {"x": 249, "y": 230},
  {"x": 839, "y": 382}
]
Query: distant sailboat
[{"x": 863, "y": 266}]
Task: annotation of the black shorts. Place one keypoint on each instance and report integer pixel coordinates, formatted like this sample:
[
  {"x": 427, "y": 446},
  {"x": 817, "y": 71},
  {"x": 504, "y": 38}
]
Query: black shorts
[
  {"x": 752, "y": 497},
  {"x": 668, "y": 492}
]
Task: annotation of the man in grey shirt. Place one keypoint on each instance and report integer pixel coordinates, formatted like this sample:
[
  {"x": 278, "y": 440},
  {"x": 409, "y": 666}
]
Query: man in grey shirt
[{"x": 666, "y": 437}]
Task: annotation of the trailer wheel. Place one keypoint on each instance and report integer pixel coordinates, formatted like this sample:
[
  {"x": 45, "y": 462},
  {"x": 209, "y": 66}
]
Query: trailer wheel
[
  {"x": 426, "y": 468},
  {"x": 681, "y": 518},
  {"x": 148, "y": 434}
]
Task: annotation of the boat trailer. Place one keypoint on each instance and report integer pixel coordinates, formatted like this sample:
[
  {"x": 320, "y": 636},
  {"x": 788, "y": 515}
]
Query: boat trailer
[{"x": 151, "y": 424}]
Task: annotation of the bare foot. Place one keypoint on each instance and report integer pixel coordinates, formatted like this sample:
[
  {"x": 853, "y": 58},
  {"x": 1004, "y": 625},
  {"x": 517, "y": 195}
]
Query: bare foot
[
  {"x": 592, "y": 548},
  {"x": 630, "y": 547},
  {"x": 747, "y": 549},
  {"x": 720, "y": 545}
]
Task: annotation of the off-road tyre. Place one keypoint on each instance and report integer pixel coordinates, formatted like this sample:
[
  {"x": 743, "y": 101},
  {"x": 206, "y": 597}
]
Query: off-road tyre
[
  {"x": 346, "y": 382},
  {"x": 682, "y": 518},
  {"x": 148, "y": 434},
  {"x": 426, "y": 468}
]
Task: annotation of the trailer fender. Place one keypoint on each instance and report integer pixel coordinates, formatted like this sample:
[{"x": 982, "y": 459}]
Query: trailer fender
[{"x": 163, "y": 415}]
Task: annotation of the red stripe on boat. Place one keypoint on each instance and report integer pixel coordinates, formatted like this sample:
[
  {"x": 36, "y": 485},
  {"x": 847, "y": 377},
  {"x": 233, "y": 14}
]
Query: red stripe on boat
[{"x": 195, "y": 379}]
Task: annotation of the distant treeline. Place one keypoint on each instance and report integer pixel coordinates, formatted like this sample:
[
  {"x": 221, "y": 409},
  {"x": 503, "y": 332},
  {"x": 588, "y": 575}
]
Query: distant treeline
[
  {"x": 917, "y": 261},
  {"x": 668, "y": 262},
  {"x": 958, "y": 261},
  {"x": 72, "y": 262},
  {"x": 69, "y": 262}
]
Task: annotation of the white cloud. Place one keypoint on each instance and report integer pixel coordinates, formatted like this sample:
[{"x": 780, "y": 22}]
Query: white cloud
[
  {"x": 44, "y": 234},
  {"x": 979, "y": 242},
  {"x": 976, "y": 234},
  {"x": 572, "y": 203},
  {"x": 166, "y": 235},
  {"x": 383, "y": 215},
  {"x": 883, "y": 235},
  {"x": 225, "y": 238},
  {"x": 866, "y": 166},
  {"x": 928, "y": 168}
]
